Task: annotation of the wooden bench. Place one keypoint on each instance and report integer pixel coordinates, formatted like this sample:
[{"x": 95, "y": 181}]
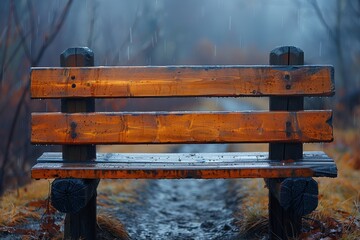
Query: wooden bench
[{"x": 288, "y": 170}]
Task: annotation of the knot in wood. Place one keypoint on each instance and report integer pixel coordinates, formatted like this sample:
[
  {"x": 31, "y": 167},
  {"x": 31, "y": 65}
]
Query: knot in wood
[
  {"x": 73, "y": 133},
  {"x": 288, "y": 129}
]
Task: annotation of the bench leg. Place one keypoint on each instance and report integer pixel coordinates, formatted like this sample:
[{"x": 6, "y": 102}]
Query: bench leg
[
  {"x": 82, "y": 225},
  {"x": 283, "y": 223}
]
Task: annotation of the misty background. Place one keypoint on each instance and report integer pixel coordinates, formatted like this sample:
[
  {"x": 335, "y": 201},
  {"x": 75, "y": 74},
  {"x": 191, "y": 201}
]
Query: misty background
[{"x": 159, "y": 32}]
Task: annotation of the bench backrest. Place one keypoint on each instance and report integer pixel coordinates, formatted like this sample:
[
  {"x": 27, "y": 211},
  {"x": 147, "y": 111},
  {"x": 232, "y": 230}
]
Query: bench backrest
[{"x": 83, "y": 127}]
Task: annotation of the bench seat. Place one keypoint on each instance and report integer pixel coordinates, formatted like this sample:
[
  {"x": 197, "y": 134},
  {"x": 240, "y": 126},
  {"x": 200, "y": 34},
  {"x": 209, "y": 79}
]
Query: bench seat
[{"x": 185, "y": 165}]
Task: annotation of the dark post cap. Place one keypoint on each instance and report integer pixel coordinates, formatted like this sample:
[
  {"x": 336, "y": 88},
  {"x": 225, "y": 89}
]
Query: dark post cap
[
  {"x": 87, "y": 56},
  {"x": 285, "y": 55}
]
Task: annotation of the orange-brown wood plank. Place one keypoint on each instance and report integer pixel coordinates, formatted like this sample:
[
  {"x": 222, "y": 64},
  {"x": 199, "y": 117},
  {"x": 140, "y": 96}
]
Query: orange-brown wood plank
[
  {"x": 172, "y": 81},
  {"x": 185, "y": 165},
  {"x": 181, "y": 127}
]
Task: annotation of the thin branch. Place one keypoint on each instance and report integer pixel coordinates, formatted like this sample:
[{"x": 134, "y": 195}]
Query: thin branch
[
  {"x": 17, "y": 48},
  {"x": 18, "y": 108},
  {"x": 45, "y": 45},
  {"x": 54, "y": 33},
  {"x": 10, "y": 138},
  {"x": 6, "y": 47},
  {"x": 32, "y": 24},
  {"x": 127, "y": 38},
  {"x": 321, "y": 18},
  {"x": 336, "y": 37},
  {"x": 353, "y": 14},
  {"x": 133, "y": 26},
  {"x": 48, "y": 41},
  {"x": 338, "y": 20},
  {"x": 7, "y": 64},
  {"x": 338, "y": 43},
  {"x": 20, "y": 30},
  {"x": 92, "y": 25},
  {"x": 355, "y": 9}
]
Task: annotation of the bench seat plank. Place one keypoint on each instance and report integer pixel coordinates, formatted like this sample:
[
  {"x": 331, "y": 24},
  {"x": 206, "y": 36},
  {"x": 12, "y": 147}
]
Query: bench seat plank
[
  {"x": 184, "y": 165},
  {"x": 181, "y": 81},
  {"x": 181, "y": 127}
]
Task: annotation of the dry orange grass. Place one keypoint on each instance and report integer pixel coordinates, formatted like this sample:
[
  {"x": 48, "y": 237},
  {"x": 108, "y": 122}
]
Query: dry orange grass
[
  {"x": 111, "y": 228},
  {"x": 13, "y": 204},
  {"x": 339, "y": 199},
  {"x": 28, "y": 206},
  {"x": 27, "y": 213}
]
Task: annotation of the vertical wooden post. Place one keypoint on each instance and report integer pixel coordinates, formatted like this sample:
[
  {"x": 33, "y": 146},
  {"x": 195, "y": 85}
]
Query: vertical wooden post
[
  {"x": 82, "y": 224},
  {"x": 284, "y": 223}
]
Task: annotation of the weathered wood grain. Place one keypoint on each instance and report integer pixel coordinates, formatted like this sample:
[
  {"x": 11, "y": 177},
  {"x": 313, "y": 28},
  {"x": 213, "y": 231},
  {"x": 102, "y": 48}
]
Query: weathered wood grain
[
  {"x": 181, "y": 127},
  {"x": 175, "y": 81},
  {"x": 289, "y": 224},
  {"x": 79, "y": 223},
  {"x": 184, "y": 165},
  {"x": 72, "y": 194}
]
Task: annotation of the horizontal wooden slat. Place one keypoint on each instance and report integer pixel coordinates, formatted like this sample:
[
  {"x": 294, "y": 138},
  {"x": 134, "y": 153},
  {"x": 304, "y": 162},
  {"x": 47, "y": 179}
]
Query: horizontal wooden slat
[
  {"x": 185, "y": 165},
  {"x": 181, "y": 127},
  {"x": 175, "y": 81}
]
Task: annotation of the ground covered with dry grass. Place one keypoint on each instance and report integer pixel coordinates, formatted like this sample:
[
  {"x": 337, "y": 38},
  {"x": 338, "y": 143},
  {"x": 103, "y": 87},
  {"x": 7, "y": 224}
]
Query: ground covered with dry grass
[{"x": 27, "y": 213}]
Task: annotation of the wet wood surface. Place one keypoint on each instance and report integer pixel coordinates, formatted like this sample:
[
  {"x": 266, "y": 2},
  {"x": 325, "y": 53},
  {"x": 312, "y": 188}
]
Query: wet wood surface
[
  {"x": 288, "y": 226},
  {"x": 181, "y": 127},
  {"x": 80, "y": 223},
  {"x": 184, "y": 165},
  {"x": 175, "y": 81}
]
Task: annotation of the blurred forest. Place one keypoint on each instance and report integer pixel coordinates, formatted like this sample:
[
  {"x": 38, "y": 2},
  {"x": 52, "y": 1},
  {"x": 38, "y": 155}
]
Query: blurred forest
[{"x": 158, "y": 32}]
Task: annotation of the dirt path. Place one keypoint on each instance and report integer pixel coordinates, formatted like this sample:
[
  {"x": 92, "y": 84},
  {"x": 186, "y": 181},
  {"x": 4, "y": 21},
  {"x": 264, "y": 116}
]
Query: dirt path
[{"x": 184, "y": 209}]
